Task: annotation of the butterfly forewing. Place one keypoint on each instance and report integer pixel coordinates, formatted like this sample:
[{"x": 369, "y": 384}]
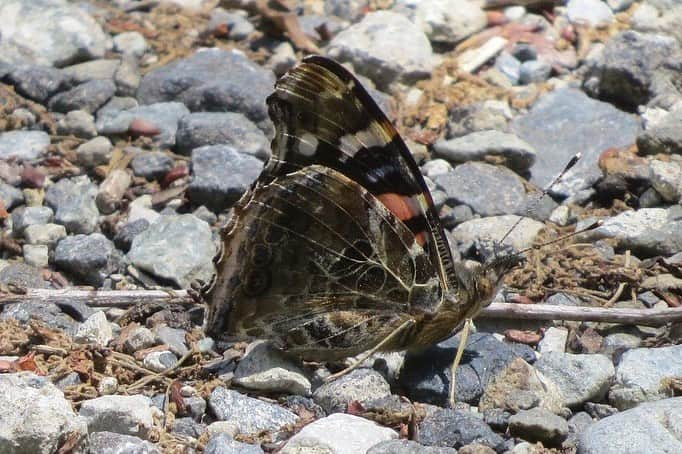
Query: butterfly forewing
[{"x": 323, "y": 115}]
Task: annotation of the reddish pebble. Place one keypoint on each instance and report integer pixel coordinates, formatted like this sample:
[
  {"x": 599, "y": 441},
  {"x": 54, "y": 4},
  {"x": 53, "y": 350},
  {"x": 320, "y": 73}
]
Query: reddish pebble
[
  {"x": 522, "y": 337},
  {"x": 32, "y": 177},
  {"x": 221, "y": 31},
  {"x": 496, "y": 18},
  {"x": 140, "y": 127},
  {"x": 175, "y": 174},
  {"x": 568, "y": 33}
]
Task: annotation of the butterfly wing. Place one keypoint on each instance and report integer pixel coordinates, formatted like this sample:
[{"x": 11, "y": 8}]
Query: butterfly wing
[
  {"x": 316, "y": 263},
  {"x": 338, "y": 242},
  {"x": 324, "y": 116}
]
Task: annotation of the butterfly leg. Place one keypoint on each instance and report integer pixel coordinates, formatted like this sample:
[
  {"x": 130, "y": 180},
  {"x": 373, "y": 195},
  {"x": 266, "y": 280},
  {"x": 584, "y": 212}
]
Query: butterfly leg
[
  {"x": 468, "y": 325},
  {"x": 386, "y": 341}
]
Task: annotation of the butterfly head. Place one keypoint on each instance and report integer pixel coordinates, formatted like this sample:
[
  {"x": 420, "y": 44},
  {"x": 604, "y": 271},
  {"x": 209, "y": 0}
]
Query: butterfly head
[{"x": 479, "y": 281}]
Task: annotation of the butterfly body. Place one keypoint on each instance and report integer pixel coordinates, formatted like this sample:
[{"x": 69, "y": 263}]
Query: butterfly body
[{"x": 337, "y": 248}]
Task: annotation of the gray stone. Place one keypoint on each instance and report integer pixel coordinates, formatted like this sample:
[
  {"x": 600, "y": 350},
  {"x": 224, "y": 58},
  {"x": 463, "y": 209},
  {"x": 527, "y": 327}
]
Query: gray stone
[
  {"x": 36, "y": 418},
  {"x": 267, "y": 369},
  {"x": 352, "y": 10},
  {"x": 223, "y": 443},
  {"x": 615, "y": 344},
  {"x": 49, "y": 32},
  {"x": 662, "y": 137},
  {"x": 173, "y": 337},
  {"x": 635, "y": 69},
  {"x": 114, "y": 107},
  {"x": 88, "y": 96},
  {"x": 482, "y": 145},
  {"x": 78, "y": 123},
  {"x": 508, "y": 65},
  {"x": 164, "y": 116},
  {"x": 160, "y": 361},
  {"x": 338, "y": 433},
  {"x": 100, "y": 69},
  {"x": 151, "y": 164},
  {"x": 449, "y": 21},
  {"x": 483, "y": 116},
  {"x": 36, "y": 255},
  {"x": 494, "y": 228},
  {"x": 10, "y": 196},
  {"x": 21, "y": 275},
  {"x": 214, "y": 128},
  {"x": 87, "y": 257},
  {"x": 539, "y": 425},
  {"x": 646, "y": 232},
  {"x": 94, "y": 152},
  {"x": 37, "y": 82},
  {"x": 385, "y": 47},
  {"x": 139, "y": 339},
  {"x": 472, "y": 183},
  {"x": 152, "y": 250},
  {"x": 651, "y": 428},
  {"x": 124, "y": 237},
  {"x": 220, "y": 175},
  {"x": 581, "y": 378},
  {"x": 237, "y": 22},
  {"x": 251, "y": 415},
  {"x": 23, "y": 145},
  {"x": 212, "y": 80},
  {"x": 408, "y": 447},
  {"x": 47, "y": 234},
  {"x": 205, "y": 215},
  {"x": 589, "y": 12},
  {"x": 127, "y": 415},
  {"x": 73, "y": 202},
  {"x": 113, "y": 443},
  {"x": 130, "y": 43},
  {"x": 95, "y": 330},
  {"x": 127, "y": 77},
  {"x": 642, "y": 373},
  {"x": 553, "y": 340},
  {"x": 359, "y": 385},
  {"x": 571, "y": 121},
  {"x": 455, "y": 428},
  {"x": 48, "y": 313},
  {"x": 534, "y": 71}
]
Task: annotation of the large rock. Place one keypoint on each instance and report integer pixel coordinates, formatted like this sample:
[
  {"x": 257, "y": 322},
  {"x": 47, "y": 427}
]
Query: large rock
[
  {"x": 88, "y": 96},
  {"x": 113, "y": 443},
  {"x": 386, "y": 47},
  {"x": 572, "y": 122},
  {"x": 50, "y": 32},
  {"x": 216, "y": 128},
  {"x": 220, "y": 175},
  {"x": 495, "y": 227},
  {"x": 581, "y": 378},
  {"x": 473, "y": 182},
  {"x": 455, "y": 428},
  {"x": 159, "y": 250},
  {"x": 651, "y": 428},
  {"x": 88, "y": 257},
  {"x": 23, "y": 145},
  {"x": 339, "y": 434},
  {"x": 127, "y": 415},
  {"x": 642, "y": 373},
  {"x": 647, "y": 231},
  {"x": 251, "y": 415},
  {"x": 212, "y": 80},
  {"x": 359, "y": 385},
  {"x": 35, "y": 416}
]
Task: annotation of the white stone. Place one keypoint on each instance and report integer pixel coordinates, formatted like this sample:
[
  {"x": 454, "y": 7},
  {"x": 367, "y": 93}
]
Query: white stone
[
  {"x": 160, "y": 361},
  {"x": 132, "y": 43},
  {"x": 95, "y": 330},
  {"x": 589, "y": 12},
  {"x": 47, "y": 234},
  {"x": 450, "y": 20},
  {"x": 666, "y": 179},
  {"x": 472, "y": 59},
  {"x": 554, "y": 340},
  {"x": 107, "y": 385},
  {"x": 36, "y": 255},
  {"x": 561, "y": 215},
  {"x": 223, "y": 427},
  {"x": 494, "y": 227},
  {"x": 127, "y": 415},
  {"x": 338, "y": 434},
  {"x": 35, "y": 417}
]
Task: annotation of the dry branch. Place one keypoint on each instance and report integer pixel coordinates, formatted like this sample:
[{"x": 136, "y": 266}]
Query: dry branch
[{"x": 128, "y": 298}]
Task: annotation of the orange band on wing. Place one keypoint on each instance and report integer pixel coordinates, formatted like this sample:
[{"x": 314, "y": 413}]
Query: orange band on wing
[{"x": 404, "y": 208}]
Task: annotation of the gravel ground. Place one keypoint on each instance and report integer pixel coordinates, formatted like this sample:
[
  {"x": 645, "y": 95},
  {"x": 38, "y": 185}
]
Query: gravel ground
[{"x": 128, "y": 129}]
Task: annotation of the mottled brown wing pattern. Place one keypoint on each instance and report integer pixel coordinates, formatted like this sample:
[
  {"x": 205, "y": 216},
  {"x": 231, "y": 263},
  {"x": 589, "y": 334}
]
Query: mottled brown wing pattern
[
  {"x": 317, "y": 264},
  {"x": 324, "y": 116}
]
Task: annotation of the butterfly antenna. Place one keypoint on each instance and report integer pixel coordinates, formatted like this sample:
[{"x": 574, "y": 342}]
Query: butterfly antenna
[
  {"x": 592, "y": 226},
  {"x": 574, "y": 160}
]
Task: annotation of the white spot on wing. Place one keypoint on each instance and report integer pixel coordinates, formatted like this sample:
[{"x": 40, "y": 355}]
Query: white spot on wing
[{"x": 307, "y": 144}]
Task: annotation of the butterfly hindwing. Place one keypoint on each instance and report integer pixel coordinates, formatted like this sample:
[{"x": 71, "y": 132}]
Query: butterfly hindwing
[{"x": 316, "y": 263}]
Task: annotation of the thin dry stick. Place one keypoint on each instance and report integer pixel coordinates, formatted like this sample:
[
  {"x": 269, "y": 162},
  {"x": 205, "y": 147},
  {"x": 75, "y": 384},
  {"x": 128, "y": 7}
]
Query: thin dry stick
[{"x": 127, "y": 298}]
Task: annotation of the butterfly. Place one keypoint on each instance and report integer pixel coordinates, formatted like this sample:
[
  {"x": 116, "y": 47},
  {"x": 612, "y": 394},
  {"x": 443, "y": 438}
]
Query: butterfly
[{"x": 337, "y": 248}]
